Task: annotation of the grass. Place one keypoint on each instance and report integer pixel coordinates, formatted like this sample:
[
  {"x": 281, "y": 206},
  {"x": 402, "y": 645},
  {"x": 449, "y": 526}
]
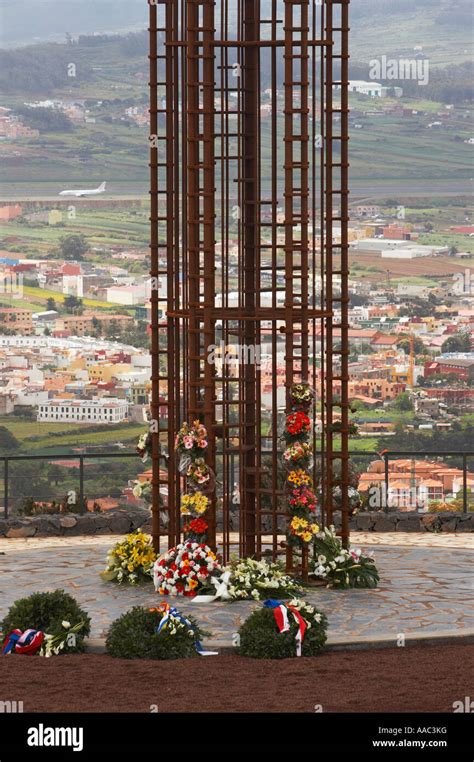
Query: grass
[{"x": 43, "y": 294}]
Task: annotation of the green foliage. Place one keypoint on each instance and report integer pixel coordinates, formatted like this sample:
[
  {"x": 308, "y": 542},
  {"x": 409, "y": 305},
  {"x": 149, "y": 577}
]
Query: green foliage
[
  {"x": 459, "y": 342},
  {"x": 44, "y": 119},
  {"x": 341, "y": 568},
  {"x": 260, "y": 638},
  {"x": 8, "y": 441},
  {"x": 46, "y": 612},
  {"x": 73, "y": 246},
  {"x": 134, "y": 636}
]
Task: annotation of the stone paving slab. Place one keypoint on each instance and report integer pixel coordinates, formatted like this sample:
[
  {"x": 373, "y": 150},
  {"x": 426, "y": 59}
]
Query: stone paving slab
[{"x": 426, "y": 588}]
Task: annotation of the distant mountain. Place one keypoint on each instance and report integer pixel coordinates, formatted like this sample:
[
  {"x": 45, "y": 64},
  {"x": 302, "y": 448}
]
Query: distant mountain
[{"x": 27, "y": 21}]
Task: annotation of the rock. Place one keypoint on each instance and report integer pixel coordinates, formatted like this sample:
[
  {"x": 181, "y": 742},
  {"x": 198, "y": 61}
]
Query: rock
[
  {"x": 409, "y": 524},
  {"x": 68, "y": 521},
  {"x": 365, "y": 522},
  {"x": 120, "y": 524},
  {"x": 449, "y": 526},
  {"x": 385, "y": 524},
  {"x": 465, "y": 523},
  {"x": 25, "y": 530},
  {"x": 429, "y": 519}
]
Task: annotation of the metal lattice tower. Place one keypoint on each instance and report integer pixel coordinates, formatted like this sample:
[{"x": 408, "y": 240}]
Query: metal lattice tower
[{"x": 249, "y": 247}]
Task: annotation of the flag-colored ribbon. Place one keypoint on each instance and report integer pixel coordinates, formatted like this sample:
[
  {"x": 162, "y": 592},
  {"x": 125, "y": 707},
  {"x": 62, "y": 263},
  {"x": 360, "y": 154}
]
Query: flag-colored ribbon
[
  {"x": 27, "y": 642},
  {"x": 280, "y": 612},
  {"x": 169, "y": 611}
]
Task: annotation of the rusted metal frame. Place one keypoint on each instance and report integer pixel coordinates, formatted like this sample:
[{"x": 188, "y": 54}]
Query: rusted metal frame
[
  {"x": 250, "y": 43},
  {"x": 181, "y": 254},
  {"x": 227, "y": 487},
  {"x": 154, "y": 267},
  {"x": 250, "y": 107},
  {"x": 209, "y": 336},
  {"x": 173, "y": 246},
  {"x": 322, "y": 273},
  {"x": 344, "y": 269},
  {"x": 193, "y": 212},
  {"x": 274, "y": 255},
  {"x": 240, "y": 279},
  {"x": 304, "y": 214},
  {"x": 328, "y": 265},
  {"x": 257, "y": 331},
  {"x": 314, "y": 261},
  {"x": 288, "y": 207}
]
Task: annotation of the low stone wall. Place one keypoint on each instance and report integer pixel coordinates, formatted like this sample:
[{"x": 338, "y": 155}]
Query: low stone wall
[
  {"x": 121, "y": 521},
  {"x": 118, "y": 521},
  {"x": 395, "y": 521}
]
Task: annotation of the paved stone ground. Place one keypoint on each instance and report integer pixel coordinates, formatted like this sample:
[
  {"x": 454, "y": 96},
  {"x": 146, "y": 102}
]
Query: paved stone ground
[{"x": 426, "y": 587}]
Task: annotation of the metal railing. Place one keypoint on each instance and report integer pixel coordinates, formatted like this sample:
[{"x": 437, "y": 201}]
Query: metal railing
[
  {"x": 390, "y": 455},
  {"x": 362, "y": 457},
  {"x": 81, "y": 459}
]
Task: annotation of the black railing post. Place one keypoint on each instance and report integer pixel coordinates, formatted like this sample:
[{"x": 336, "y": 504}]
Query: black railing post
[
  {"x": 464, "y": 483},
  {"x": 5, "y": 487},
  {"x": 81, "y": 485},
  {"x": 386, "y": 480}
]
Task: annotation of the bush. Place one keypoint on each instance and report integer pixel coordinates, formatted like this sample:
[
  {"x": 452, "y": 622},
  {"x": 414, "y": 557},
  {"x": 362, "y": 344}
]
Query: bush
[
  {"x": 260, "y": 638},
  {"x": 46, "y": 612},
  {"x": 134, "y": 636}
]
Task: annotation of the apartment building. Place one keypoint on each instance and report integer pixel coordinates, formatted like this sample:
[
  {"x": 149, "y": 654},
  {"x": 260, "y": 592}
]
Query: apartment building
[{"x": 95, "y": 411}]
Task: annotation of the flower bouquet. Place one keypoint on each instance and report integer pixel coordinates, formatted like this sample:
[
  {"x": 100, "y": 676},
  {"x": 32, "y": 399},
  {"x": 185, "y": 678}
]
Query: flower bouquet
[
  {"x": 299, "y": 453},
  {"x": 302, "y": 499},
  {"x": 298, "y": 478},
  {"x": 130, "y": 560},
  {"x": 143, "y": 447},
  {"x": 301, "y": 396},
  {"x": 342, "y": 567},
  {"x": 297, "y": 426},
  {"x": 56, "y": 642},
  {"x": 199, "y": 475},
  {"x": 301, "y": 530},
  {"x": 258, "y": 580},
  {"x": 195, "y": 530},
  {"x": 194, "y": 504},
  {"x": 186, "y": 570},
  {"x": 190, "y": 443},
  {"x": 353, "y": 494},
  {"x": 142, "y": 490}
]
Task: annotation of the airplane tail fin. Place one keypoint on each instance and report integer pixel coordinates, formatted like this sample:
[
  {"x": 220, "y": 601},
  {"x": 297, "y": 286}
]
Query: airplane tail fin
[{"x": 102, "y": 186}]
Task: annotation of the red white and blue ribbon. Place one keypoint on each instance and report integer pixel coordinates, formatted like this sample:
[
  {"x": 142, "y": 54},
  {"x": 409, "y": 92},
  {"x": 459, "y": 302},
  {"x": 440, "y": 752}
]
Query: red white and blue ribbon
[
  {"x": 168, "y": 612},
  {"x": 280, "y": 612},
  {"x": 27, "y": 642}
]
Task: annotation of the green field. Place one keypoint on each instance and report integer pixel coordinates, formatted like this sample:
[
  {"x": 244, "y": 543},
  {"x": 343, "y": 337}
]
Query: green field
[{"x": 38, "y": 438}]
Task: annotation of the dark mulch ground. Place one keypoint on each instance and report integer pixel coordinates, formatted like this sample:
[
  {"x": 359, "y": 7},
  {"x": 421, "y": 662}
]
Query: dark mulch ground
[{"x": 410, "y": 679}]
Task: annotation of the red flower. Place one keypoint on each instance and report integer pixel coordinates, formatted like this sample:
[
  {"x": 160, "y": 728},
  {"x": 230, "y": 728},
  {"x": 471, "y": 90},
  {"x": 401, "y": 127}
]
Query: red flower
[
  {"x": 199, "y": 526},
  {"x": 297, "y": 423}
]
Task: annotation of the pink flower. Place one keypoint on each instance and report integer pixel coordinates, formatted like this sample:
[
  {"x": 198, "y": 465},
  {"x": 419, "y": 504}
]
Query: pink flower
[
  {"x": 202, "y": 443},
  {"x": 188, "y": 443}
]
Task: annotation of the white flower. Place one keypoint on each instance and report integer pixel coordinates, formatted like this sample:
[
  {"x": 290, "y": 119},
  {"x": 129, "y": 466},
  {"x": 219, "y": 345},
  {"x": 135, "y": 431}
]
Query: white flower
[
  {"x": 321, "y": 559},
  {"x": 66, "y": 624}
]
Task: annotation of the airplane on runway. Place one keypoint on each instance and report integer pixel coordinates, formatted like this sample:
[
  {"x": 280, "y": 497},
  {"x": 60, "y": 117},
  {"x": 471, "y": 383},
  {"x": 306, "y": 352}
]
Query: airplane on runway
[{"x": 82, "y": 193}]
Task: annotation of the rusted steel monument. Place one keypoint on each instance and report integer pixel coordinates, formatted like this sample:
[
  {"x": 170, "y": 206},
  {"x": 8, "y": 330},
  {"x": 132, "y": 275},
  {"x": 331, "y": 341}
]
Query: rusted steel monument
[{"x": 249, "y": 252}]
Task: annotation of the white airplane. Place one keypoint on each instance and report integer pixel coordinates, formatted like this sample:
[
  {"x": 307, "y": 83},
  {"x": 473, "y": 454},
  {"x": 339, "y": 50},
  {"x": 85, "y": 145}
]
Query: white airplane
[{"x": 82, "y": 193}]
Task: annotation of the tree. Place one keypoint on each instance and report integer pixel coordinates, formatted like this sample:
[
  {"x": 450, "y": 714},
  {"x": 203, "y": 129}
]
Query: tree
[
  {"x": 73, "y": 305},
  {"x": 403, "y": 403},
  {"x": 73, "y": 246},
  {"x": 8, "y": 441},
  {"x": 458, "y": 342},
  {"x": 55, "y": 474},
  {"x": 51, "y": 303},
  {"x": 418, "y": 346}
]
